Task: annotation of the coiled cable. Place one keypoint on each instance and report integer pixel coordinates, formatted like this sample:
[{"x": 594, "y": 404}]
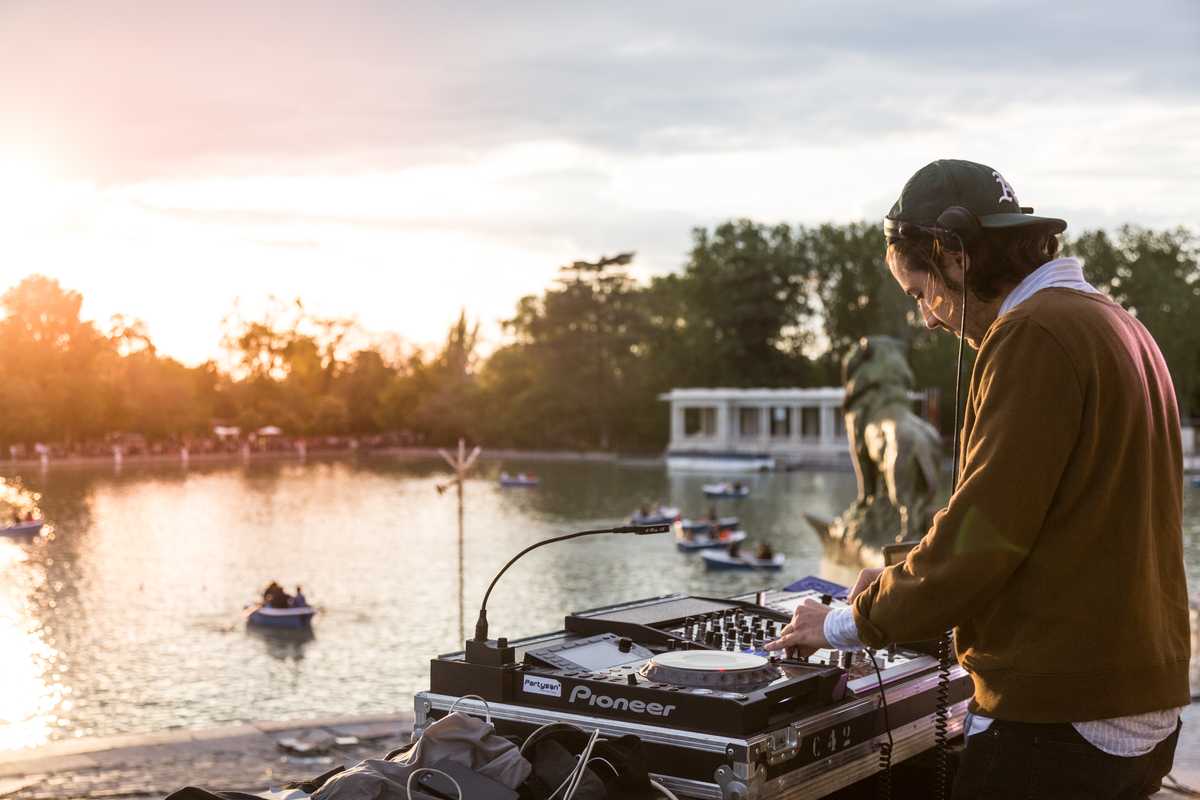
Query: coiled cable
[
  {"x": 885, "y": 750},
  {"x": 941, "y": 716}
]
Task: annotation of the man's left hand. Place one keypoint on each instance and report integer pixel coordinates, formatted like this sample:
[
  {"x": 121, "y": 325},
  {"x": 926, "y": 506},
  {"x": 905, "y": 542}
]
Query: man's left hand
[{"x": 805, "y": 634}]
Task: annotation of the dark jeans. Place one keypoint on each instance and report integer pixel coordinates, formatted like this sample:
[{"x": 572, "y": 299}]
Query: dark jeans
[{"x": 1031, "y": 761}]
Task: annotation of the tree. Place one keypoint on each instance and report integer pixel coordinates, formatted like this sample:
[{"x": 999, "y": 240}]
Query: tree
[
  {"x": 576, "y": 351},
  {"x": 437, "y": 398},
  {"x": 51, "y": 354},
  {"x": 746, "y": 302}
]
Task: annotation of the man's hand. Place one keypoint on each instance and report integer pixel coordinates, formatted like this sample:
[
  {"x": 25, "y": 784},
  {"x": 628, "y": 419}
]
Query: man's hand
[
  {"x": 865, "y": 579},
  {"x": 805, "y": 634}
]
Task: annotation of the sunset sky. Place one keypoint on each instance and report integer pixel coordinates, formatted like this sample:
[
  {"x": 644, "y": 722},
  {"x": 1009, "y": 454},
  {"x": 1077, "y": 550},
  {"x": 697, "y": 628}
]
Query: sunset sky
[{"x": 396, "y": 161}]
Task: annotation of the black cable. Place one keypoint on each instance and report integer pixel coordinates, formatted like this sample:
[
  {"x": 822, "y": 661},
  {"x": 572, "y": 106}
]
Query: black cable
[
  {"x": 962, "y": 335},
  {"x": 941, "y": 716},
  {"x": 481, "y": 624},
  {"x": 885, "y": 750}
]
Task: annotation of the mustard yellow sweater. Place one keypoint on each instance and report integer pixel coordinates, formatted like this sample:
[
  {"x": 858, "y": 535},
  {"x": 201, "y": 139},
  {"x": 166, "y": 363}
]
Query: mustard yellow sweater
[{"x": 1060, "y": 557}]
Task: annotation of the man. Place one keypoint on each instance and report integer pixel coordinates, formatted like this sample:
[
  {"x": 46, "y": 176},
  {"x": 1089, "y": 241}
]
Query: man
[{"x": 1058, "y": 559}]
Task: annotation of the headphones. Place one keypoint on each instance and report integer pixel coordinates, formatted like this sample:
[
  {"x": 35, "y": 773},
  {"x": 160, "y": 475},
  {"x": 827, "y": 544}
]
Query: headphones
[{"x": 955, "y": 224}]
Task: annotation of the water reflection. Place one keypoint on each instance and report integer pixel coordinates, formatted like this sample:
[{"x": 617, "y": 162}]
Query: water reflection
[
  {"x": 128, "y": 618},
  {"x": 282, "y": 644},
  {"x": 30, "y": 687}
]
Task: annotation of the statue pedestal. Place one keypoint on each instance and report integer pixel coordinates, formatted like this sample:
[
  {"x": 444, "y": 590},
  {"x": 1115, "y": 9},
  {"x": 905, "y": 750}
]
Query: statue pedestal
[{"x": 856, "y": 538}]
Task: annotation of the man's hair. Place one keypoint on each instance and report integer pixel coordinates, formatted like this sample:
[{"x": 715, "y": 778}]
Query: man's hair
[{"x": 999, "y": 259}]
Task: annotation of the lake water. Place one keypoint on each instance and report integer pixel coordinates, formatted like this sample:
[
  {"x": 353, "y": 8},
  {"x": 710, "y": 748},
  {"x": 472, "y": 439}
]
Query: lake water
[{"x": 128, "y": 618}]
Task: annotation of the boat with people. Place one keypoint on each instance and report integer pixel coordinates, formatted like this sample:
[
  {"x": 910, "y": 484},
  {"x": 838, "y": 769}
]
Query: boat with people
[
  {"x": 278, "y": 609},
  {"x": 26, "y": 527},
  {"x": 707, "y": 539},
  {"x": 705, "y": 525},
  {"x": 266, "y": 617},
  {"x": 519, "y": 481},
  {"x": 659, "y": 515},
  {"x": 723, "y": 560},
  {"x": 736, "y": 490}
]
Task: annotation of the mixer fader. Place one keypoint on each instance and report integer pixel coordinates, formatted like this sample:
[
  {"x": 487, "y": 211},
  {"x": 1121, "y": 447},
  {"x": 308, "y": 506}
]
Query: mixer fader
[{"x": 858, "y": 664}]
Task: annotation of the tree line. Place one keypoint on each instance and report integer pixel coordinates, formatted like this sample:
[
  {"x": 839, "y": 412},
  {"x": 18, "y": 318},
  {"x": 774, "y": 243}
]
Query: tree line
[{"x": 581, "y": 365}]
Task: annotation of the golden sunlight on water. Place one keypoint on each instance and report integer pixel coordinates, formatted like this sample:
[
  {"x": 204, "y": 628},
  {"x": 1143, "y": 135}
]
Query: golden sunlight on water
[{"x": 29, "y": 696}]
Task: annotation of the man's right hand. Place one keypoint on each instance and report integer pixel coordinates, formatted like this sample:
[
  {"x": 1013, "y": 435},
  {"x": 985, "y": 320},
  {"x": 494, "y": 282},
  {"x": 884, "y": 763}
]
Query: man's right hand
[{"x": 865, "y": 579}]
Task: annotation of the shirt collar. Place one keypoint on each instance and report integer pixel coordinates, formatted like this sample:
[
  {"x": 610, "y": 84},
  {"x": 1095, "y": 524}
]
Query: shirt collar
[{"x": 1066, "y": 273}]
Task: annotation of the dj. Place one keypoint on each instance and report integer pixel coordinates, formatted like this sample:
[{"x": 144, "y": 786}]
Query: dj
[{"x": 1058, "y": 560}]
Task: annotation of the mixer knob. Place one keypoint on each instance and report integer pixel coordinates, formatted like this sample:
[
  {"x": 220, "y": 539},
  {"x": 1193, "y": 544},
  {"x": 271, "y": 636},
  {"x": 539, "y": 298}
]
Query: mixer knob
[
  {"x": 670, "y": 644},
  {"x": 624, "y": 644},
  {"x": 847, "y": 659},
  {"x": 631, "y": 679},
  {"x": 826, "y": 599}
]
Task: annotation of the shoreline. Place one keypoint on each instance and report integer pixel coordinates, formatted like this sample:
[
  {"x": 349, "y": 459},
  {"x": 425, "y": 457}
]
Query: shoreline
[
  {"x": 1191, "y": 463},
  {"x": 398, "y": 453}
]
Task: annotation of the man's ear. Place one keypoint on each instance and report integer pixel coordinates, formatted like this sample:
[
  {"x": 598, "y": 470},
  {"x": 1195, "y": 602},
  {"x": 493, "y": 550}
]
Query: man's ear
[{"x": 952, "y": 261}]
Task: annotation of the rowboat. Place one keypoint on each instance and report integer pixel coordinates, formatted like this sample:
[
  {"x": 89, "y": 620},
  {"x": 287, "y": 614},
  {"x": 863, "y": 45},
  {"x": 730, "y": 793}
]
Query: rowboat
[
  {"x": 519, "y": 481},
  {"x": 705, "y": 541},
  {"x": 735, "y": 491},
  {"x": 28, "y": 528},
  {"x": 659, "y": 516},
  {"x": 267, "y": 617},
  {"x": 721, "y": 560},
  {"x": 706, "y": 525}
]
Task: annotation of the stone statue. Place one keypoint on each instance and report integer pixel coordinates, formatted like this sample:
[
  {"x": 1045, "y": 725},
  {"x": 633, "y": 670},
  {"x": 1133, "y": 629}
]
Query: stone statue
[{"x": 895, "y": 455}]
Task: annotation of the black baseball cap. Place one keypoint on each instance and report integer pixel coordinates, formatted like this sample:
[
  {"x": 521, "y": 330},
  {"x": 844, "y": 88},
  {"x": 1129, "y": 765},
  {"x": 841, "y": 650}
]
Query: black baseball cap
[{"x": 978, "y": 188}]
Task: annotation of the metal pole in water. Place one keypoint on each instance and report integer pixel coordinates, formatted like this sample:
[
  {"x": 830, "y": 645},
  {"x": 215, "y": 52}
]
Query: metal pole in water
[{"x": 460, "y": 464}]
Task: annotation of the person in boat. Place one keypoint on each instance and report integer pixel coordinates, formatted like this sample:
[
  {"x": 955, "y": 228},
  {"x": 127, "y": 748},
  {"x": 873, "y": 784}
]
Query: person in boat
[
  {"x": 764, "y": 552},
  {"x": 29, "y": 516},
  {"x": 735, "y": 549},
  {"x": 298, "y": 599},
  {"x": 275, "y": 597},
  {"x": 16, "y": 517},
  {"x": 714, "y": 521},
  {"x": 1064, "y": 539},
  {"x": 737, "y": 487}
]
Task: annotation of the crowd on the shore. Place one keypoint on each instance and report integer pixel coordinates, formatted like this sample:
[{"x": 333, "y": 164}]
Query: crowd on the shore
[{"x": 134, "y": 445}]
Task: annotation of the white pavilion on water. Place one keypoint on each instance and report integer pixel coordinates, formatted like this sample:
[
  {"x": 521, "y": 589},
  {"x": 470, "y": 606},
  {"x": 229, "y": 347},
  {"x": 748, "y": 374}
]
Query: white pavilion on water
[{"x": 749, "y": 430}]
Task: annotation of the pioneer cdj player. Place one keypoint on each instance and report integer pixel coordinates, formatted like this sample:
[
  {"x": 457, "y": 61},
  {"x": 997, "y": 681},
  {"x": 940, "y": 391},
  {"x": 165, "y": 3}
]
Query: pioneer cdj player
[{"x": 718, "y": 716}]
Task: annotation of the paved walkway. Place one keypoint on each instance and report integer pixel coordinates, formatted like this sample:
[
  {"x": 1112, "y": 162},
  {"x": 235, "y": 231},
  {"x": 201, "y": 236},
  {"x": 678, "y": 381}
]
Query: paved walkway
[{"x": 253, "y": 758}]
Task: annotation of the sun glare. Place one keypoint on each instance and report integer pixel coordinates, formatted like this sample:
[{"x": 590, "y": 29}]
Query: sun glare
[
  {"x": 27, "y": 696},
  {"x": 26, "y": 187}
]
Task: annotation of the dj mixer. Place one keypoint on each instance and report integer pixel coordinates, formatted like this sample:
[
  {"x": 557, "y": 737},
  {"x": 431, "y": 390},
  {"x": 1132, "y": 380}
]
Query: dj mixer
[{"x": 719, "y": 717}]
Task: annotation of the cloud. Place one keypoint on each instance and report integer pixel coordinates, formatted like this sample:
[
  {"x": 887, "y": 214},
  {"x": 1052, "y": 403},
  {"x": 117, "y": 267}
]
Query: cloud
[
  {"x": 137, "y": 91},
  {"x": 451, "y": 155}
]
